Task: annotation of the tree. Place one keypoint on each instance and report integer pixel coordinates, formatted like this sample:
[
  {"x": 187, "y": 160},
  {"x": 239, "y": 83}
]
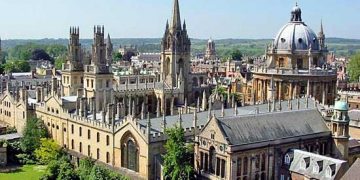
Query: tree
[
  {"x": 236, "y": 55},
  {"x": 17, "y": 66},
  {"x": 47, "y": 151},
  {"x": 60, "y": 169},
  {"x": 117, "y": 56},
  {"x": 59, "y": 61},
  {"x": 40, "y": 54},
  {"x": 354, "y": 68},
  {"x": 84, "y": 169},
  {"x": 34, "y": 130},
  {"x": 178, "y": 157}
]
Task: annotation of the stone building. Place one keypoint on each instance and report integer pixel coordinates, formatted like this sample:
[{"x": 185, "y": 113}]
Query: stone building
[{"x": 296, "y": 61}]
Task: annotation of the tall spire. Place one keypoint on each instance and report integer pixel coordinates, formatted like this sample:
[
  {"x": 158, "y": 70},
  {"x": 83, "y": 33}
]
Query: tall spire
[
  {"x": 176, "y": 22},
  {"x": 321, "y": 28}
]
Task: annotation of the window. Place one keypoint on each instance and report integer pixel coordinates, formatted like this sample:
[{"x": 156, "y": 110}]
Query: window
[
  {"x": 89, "y": 150},
  {"x": 263, "y": 161},
  {"x": 97, "y": 153},
  {"x": 107, "y": 140},
  {"x": 97, "y": 137},
  {"x": 87, "y": 82},
  {"x": 64, "y": 129},
  {"x": 245, "y": 169},
  {"x": 287, "y": 159},
  {"x": 281, "y": 62},
  {"x": 282, "y": 177},
  {"x": 80, "y": 131},
  {"x": 72, "y": 129},
  {"x": 89, "y": 134},
  {"x": 92, "y": 83},
  {"x": 129, "y": 155},
  {"x": 107, "y": 157},
  {"x": 72, "y": 144},
  {"x": 238, "y": 166},
  {"x": 212, "y": 159},
  {"x": 107, "y": 83},
  {"x": 257, "y": 161},
  {"x": 212, "y": 135},
  {"x": 80, "y": 147}
]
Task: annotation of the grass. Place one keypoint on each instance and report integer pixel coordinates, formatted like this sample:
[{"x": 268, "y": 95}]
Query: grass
[{"x": 28, "y": 172}]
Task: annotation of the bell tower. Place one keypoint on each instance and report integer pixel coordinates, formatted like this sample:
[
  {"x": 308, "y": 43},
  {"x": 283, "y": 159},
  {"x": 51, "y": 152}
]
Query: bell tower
[
  {"x": 340, "y": 130},
  {"x": 98, "y": 74},
  {"x": 73, "y": 68},
  {"x": 175, "y": 52}
]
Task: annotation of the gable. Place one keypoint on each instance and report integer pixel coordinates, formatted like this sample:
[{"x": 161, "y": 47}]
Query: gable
[{"x": 212, "y": 128}]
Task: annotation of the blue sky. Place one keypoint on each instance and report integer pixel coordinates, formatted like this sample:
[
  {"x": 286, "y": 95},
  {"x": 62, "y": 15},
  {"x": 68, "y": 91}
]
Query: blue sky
[{"x": 23, "y": 19}]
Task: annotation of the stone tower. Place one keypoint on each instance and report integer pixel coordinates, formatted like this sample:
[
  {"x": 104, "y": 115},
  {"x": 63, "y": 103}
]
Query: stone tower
[
  {"x": 73, "y": 68},
  {"x": 175, "y": 52},
  {"x": 210, "y": 53},
  {"x": 321, "y": 37},
  {"x": 109, "y": 50},
  {"x": 98, "y": 74},
  {"x": 340, "y": 130}
]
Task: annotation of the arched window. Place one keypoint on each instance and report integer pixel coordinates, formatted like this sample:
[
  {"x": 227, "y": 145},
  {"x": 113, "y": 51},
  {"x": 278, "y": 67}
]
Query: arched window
[
  {"x": 107, "y": 140},
  {"x": 287, "y": 159},
  {"x": 89, "y": 150},
  {"x": 72, "y": 144},
  {"x": 212, "y": 163},
  {"x": 80, "y": 147},
  {"x": 107, "y": 157},
  {"x": 97, "y": 137},
  {"x": 80, "y": 131},
  {"x": 97, "y": 153},
  {"x": 245, "y": 169},
  {"x": 129, "y": 153}
]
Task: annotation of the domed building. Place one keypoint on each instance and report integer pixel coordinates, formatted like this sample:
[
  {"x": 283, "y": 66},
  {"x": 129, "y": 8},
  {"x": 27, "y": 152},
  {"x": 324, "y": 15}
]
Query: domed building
[{"x": 295, "y": 65}]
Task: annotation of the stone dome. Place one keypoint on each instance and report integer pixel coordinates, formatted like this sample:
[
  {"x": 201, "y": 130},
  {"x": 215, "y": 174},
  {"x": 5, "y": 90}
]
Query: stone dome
[{"x": 296, "y": 36}]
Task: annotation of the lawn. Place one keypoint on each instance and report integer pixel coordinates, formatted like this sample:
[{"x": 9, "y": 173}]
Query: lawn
[{"x": 28, "y": 172}]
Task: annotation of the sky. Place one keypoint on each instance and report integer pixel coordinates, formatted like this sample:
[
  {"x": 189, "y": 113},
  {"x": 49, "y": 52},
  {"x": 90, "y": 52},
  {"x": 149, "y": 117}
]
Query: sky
[{"x": 254, "y": 19}]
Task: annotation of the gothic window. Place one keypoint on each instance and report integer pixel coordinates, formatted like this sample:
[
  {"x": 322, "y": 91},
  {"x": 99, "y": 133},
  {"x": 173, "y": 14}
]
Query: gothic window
[
  {"x": 130, "y": 154},
  {"x": 212, "y": 159},
  {"x": 80, "y": 147},
  {"x": 80, "y": 131},
  {"x": 107, "y": 140},
  {"x": 107, "y": 83},
  {"x": 89, "y": 134},
  {"x": 206, "y": 162},
  {"x": 87, "y": 82},
  {"x": 217, "y": 166},
  {"x": 263, "y": 176},
  {"x": 263, "y": 161},
  {"x": 299, "y": 63},
  {"x": 223, "y": 162},
  {"x": 257, "y": 161},
  {"x": 72, "y": 129}
]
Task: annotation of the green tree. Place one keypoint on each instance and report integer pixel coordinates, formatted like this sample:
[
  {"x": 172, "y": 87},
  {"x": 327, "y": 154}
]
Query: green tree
[
  {"x": 236, "y": 55},
  {"x": 84, "y": 169},
  {"x": 49, "y": 150},
  {"x": 34, "y": 130},
  {"x": 17, "y": 66},
  {"x": 60, "y": 169},
  {"x": 178, "y": 158},
  {"x": 117, "y": 56},
  {"x": 354, "y": 68},
  {"x": 59, "y": 61}
]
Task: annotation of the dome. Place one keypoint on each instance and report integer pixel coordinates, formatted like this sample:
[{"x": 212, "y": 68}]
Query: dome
[
  {"x": 296, "y": 36},
  {"x": 341, "y": 106}
]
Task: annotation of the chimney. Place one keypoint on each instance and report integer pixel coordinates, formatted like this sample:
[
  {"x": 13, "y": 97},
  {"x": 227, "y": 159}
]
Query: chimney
[{"x": 83, "y": 110}]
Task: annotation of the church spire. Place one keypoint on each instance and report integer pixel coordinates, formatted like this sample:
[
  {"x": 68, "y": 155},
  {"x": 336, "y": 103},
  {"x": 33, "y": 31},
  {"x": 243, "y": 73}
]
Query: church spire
[{"x": 176, "y": 22}]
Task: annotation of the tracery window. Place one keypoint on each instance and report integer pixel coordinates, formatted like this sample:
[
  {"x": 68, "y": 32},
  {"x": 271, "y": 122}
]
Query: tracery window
[
  {"x": 130, "y": 154},
  {"x": 212, "y": 163}
]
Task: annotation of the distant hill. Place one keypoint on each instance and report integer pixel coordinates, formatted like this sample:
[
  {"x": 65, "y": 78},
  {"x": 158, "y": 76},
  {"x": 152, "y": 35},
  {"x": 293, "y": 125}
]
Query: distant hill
[{"x": 251, "y": 47}]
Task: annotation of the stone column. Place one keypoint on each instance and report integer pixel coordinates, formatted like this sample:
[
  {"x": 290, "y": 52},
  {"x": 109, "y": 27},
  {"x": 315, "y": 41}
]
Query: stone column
[
  {"x": 308, "y": 88},
  {"x": 291, "y": 90},
  {"x": 323, "y": 93},
  {"x": 295, "y": 90},
  {"x": 315, "y": 91},
  {"x": 157, "y": 107}
]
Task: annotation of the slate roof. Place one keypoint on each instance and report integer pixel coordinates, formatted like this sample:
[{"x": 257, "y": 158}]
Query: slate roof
[
  {"x": 272, "y": 126},
  {"x": 229, "y": 112},
  {"x": 336, "y": 166}
]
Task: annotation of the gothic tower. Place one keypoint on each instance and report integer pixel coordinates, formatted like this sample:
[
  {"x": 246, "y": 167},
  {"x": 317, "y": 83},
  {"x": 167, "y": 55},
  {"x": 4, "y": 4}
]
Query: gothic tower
[
  {"x": 321, "y": 37},
  {"x": 340, "y": 130},
  {"x": 98, "y": 74},
  {"x": 73, "y": 68},
  {"x": 210, "y": 53},
  {"x": 175, "y": 53},
  {"x": 109, "y": 50}
]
